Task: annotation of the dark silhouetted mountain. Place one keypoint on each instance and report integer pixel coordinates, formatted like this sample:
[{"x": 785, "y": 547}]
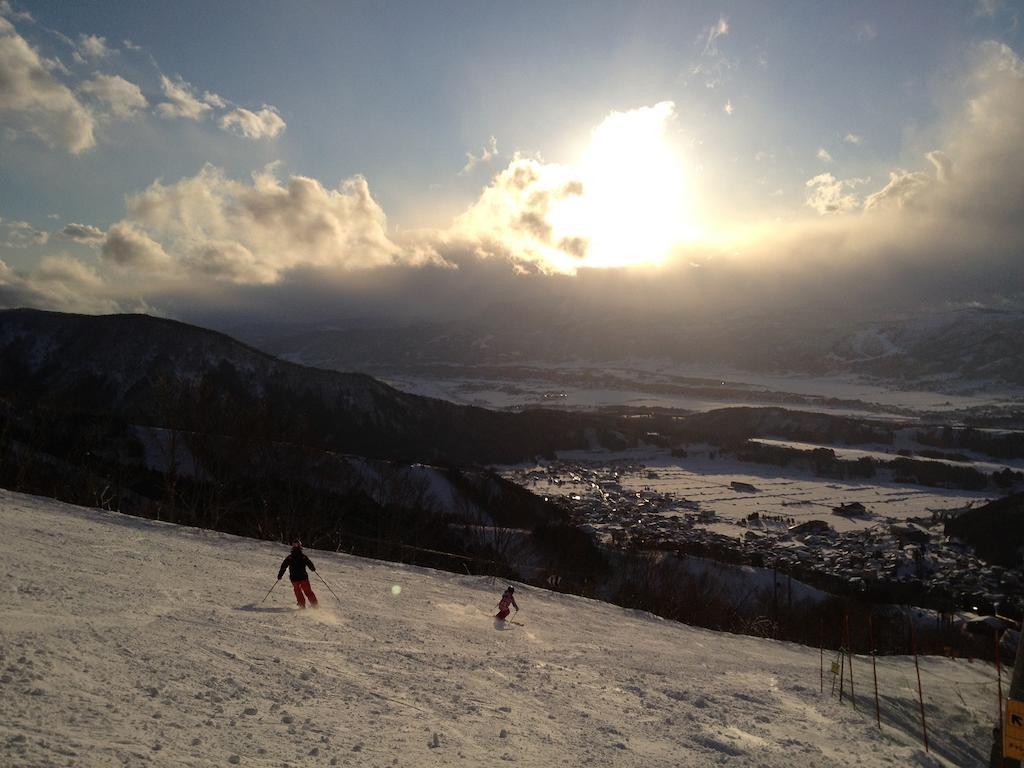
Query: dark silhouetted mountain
[{"x": 164, "y": 373}]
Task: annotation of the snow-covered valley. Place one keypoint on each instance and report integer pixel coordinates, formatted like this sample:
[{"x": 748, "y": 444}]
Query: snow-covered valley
[
  {"x": 132, "y": 642},
  {"x": 655, "y": 384}
]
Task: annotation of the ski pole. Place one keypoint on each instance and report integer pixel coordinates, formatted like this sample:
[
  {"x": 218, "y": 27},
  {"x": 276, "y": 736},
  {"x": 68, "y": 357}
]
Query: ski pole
[
  {"x": 268, "y": 592},
  {"x": 328, "y": 586}
]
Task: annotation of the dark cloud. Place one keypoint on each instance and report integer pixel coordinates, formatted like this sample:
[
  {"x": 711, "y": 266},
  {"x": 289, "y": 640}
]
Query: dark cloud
[{"x": 127, "y": 246}]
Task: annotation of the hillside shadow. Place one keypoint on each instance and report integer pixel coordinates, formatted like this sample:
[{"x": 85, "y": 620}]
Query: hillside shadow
[{"x": 900, "y": 712}]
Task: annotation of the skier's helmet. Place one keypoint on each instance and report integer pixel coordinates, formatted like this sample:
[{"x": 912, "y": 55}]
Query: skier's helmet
[
  {"x": 296, "y": 544},
  {"x": 510, "y": 589}
]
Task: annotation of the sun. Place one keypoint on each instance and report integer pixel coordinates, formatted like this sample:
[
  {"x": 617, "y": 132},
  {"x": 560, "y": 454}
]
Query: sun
[{"x": 635, "y": 203}]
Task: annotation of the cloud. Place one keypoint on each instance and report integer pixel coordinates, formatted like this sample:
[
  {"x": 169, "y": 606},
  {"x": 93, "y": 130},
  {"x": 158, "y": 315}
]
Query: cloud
[
  {"x": 214, "y": 100},
  {"x": 21, "y": 234},
  {"x": 94, "y": 47},
  {"x": 623, "y": 201},
  {"x": 211, "y": 241},
  {"x": 127, "y": 246},
  {"x": 827, "y": 194},
  {"x": 977, "y": 175},
  {"x": 33, "y": 101},
  {"x": 82, "y": 233},
  {"x": 487, "y": 154},
  {"x": 866, "y": 32},
  {"x": 981, "y": 136},
  {"x": 182, "y": 102},
  {"x": 945, "y": 229},
  {"x": 229, "y": 260},
  {"x": 513, "y": 216},
  {"x": 67, "y": 271},
  {"x": 711, "y": 34},
  {"x": 948, "y": 231},
  {"x": 59, "y": 282},
  {"x": 712, "y": 66},
  {"x": 251, "y": 233},
  {"x": 6, "y": 9},
  {"x": 903, "y": 187},
  {"x": 853, "y": 138},
  {"x": 130, "y": 46},
  {"x": 988, "y": 8},
  {"x": 123, "y": 98},
  {"x": 823, "y": 155},
  {"x": 943, "y": 165},
  {"x": 264, "y": 124}
]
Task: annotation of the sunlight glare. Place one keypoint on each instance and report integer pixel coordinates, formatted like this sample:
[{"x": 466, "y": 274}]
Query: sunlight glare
[{"x": 636, "y": 199}]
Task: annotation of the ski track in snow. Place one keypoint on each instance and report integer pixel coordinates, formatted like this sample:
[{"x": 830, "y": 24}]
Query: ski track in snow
[{"x": 128, "y": 642}]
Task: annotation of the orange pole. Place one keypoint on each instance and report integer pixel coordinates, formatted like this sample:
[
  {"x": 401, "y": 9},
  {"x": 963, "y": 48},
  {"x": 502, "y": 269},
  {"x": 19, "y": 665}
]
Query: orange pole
[
  {"x": 821, "y": 653},
  {"x": 999, "y": 679},
  {"x": 842, "y": 668}
]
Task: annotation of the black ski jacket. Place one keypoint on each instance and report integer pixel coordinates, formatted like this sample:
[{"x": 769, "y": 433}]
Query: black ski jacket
[{"x": 296, "y": 564}]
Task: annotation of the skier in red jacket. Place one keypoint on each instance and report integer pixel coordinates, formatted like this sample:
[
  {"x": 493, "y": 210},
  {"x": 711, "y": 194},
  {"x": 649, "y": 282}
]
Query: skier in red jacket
[
  {"x": 296, "y": 563},
  {"x": 507, "y": 599}
]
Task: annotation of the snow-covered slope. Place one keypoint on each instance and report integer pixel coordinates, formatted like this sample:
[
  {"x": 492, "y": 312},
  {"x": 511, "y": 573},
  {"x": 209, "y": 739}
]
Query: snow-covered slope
[{"x": 130, "y": 642}]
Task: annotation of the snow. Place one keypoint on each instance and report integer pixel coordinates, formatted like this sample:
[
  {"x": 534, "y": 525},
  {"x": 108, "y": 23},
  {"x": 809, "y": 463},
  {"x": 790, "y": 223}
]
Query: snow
[
  {"x": 133, "y": 642},
  {"x": 530, "y": 393},
  {"x": 781, "y": 491},
  {"x": 639, "y": 383}
]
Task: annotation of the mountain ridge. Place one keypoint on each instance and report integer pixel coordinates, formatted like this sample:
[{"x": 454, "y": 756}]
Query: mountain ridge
[
  {"x": 952, "y": 347},
  {"x": 162, "y": 372}
]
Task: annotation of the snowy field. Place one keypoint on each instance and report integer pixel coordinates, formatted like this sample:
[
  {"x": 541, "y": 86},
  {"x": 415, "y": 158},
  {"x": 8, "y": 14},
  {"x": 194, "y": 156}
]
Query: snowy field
[
  {"x": 128, "y": 642},
  {"x": 707, "y": 484},
  {"x": 659, "y": 384}
]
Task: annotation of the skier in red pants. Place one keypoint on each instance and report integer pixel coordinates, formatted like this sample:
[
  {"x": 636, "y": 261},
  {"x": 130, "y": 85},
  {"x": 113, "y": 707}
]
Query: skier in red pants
[
  {"x": 506, "y": 600},
  {"x": 296, "y": 563}
]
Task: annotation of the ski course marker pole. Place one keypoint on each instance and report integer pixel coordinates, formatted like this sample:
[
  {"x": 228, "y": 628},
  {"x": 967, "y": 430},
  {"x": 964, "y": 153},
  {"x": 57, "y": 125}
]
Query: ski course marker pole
[
  {"x": 874, "y": 671},
  {"x": 849, "y": 651},
  {"x": 920, "y": 694},
  {"x": 269, "y": 591},
  {"x": 821, "y": 654},
  {"x": 999, "y": 678},
  {"x": 842, "y": 657},
  {"x": 328, "y": 586}
]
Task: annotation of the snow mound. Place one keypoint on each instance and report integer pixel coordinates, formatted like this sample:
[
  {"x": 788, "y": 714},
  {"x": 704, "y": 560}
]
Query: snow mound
[{"x": 131, "y": 642}]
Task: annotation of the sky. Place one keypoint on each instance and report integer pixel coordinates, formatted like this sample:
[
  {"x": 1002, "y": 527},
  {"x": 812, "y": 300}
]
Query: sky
[{"x": 298, "y": 161}]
